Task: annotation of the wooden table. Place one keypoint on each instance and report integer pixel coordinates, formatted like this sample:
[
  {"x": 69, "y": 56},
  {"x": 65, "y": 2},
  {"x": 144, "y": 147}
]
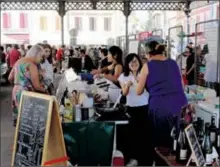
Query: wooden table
[{"x": 165, "y": 158}]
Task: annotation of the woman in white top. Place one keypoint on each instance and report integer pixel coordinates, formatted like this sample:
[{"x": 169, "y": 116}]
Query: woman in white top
[
  {"x": 47, "y": 67},
  {"x": 137, "y": 108}
]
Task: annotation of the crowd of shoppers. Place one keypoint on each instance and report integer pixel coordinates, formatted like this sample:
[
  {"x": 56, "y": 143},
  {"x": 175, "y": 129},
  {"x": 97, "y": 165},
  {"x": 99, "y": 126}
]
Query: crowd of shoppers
[{"x": 153, "y": 88}]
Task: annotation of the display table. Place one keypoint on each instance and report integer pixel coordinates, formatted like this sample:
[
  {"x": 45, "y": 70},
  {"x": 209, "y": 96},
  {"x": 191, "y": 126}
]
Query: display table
[{"x": 164, "y": 157}]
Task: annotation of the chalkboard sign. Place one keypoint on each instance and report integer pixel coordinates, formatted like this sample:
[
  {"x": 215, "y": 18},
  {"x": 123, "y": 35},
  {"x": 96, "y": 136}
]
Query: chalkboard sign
[
  {"x": 37, "y": 116},
  {"x": 194, "y": 145}
]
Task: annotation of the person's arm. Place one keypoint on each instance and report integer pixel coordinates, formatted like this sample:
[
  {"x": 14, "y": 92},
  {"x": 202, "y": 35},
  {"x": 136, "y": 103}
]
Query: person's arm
[
  {"x": 11, "y": 75},
  {"x": 34, "y": 74},
  {"x": 190, "y": 70},
  {"x": 114, "y": 78},
  {"x": 142, "y": 79}
]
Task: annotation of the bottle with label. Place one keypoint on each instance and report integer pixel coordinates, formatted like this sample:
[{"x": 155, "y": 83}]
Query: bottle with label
[
  {"x": 182, "y": 149},
  {"x": 213, "y": 131},
  {"x": 68, "y": 110},
  {"x": 174, "y": 134},
  {"x": 218, "y": 138},
  {"x": 207, "y": 146}
]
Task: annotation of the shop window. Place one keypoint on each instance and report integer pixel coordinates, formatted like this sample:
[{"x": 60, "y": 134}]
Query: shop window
[
  {"x": 6, "y": 20},
  {"x": 23, "y": 20},
  {"x": 58, "y": 23},
  {"x": 78, "y": 23},
  {"x": 43, "y": 23},
  {"x": 107, "y": 23},
  {"x": 92, "y": 24}
]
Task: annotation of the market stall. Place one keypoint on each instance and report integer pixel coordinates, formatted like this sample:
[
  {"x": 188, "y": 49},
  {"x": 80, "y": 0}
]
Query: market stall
[{"x": 87, "y": 112}]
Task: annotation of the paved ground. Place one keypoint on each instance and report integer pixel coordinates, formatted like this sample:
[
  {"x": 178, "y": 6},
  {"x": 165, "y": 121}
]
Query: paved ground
[{"x": 7, "y": 130}]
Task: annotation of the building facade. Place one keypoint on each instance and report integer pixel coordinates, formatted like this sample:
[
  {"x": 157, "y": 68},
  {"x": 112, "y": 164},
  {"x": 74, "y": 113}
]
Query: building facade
[{"x": 93, "y": 27}]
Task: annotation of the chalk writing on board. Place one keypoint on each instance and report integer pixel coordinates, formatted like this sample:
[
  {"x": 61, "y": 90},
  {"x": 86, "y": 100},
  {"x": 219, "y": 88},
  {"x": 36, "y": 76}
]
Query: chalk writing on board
[{"x": 31, "y": 131}]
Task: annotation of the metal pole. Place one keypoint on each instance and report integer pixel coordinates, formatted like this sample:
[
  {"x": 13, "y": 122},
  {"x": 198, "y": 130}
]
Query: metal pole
[
  {"x": 188, "y": 28},
  {"x": 1, "y": 24},
  {"x": 218, "y": 54},
  {"x": 62, "y": 29},
  {"x": 187, "y": 12},
  {"x": 62, "y": 14},
  {"x": 126, "y": 35},
  {"x": 126, "y": 12}
]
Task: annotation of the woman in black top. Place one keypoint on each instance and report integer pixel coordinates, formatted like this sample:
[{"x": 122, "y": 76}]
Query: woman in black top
[
  {"x": 190, "y": 66},
  {"x": 104, "y": 60},
  {"x": 114, "y": 70}
]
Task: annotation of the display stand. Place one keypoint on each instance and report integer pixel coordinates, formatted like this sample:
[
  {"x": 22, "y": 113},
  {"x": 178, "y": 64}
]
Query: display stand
[
  {"x": 197, "y": 154},
  {"x": 38, "y": 137}
]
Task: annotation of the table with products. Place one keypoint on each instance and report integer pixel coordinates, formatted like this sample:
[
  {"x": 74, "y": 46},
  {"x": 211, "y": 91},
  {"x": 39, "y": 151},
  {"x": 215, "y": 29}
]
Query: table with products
[
  {"x": 206, "y": 106},
  {"x": 98, "y": 118},
  {"x": 164, "y": 157}
]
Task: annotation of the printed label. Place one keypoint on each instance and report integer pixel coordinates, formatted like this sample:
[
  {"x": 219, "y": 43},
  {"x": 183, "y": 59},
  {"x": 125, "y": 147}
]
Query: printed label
[
  {"x": 208, "y": 159},
  {"x": 213, "y": 137},
  {"x": 218, "y": 141},
  {"x": 183, "y": 154},
  {"x": 174, "y": 145}
]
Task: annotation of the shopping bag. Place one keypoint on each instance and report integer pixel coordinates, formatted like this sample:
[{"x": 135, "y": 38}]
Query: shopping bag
[{"x": 89, "y": 144}]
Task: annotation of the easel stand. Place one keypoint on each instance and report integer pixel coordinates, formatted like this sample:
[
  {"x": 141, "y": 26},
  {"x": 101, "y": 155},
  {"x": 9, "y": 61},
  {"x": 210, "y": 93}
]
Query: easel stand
[{"x": 190, "y": 159}]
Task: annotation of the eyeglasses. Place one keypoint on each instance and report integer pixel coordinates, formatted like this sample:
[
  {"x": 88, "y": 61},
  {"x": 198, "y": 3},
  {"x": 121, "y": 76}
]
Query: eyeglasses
[{"x": 134, "y": 62}]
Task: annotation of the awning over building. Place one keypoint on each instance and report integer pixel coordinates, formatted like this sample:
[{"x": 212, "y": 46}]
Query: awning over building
[{"x": 19, "y": 38}]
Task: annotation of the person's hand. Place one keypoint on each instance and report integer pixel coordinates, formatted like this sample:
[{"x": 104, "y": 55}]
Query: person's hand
[
  {"x": 130, "y": 83},
  {"x": 94, "y": 72},
  {"x": 42, "y": 72}
]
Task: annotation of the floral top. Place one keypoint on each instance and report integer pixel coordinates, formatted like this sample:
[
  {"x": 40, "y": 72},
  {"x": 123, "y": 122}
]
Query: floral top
[{"x": 22, "y": 81}]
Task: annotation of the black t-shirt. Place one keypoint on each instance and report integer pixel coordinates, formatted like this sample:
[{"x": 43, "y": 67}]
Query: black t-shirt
[
  {"x": 189, "y": 63},
  {"x": 105, "y": 63}
]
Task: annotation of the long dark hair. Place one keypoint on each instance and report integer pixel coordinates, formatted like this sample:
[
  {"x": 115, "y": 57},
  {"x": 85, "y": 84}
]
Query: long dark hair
[
  {"x": 50, "y": 58},
  {"x": 116, "y": 52},
  {"x": 128, "y": 59}
]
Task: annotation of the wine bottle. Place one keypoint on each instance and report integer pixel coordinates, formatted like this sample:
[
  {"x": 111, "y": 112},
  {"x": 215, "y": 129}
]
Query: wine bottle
[
  {"x": 207, "y": 146},
  {"x": 174, "y": 134},
  {"x": 218, "y": 138},
  {"x": 213, "y": 131},
  {"x": 200, "y": 131},
  {"x": 181, "y": 151},
  {"x": 196, "y": 125}
]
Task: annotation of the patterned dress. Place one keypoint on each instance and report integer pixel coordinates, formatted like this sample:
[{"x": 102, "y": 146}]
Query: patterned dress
[{"x": 22, "y": 81}]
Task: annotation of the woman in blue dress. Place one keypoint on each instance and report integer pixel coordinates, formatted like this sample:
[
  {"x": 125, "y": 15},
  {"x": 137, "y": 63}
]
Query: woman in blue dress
[{"x": 162, "y": 78}]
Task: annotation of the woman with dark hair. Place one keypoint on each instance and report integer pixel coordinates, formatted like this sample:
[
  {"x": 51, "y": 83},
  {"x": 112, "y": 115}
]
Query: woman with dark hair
[
  {"x": 55, "y": 63},
  {"x": 137, "y": 106},
  {"x": 112, "y": 72},
  {"x": 47, "y": 68},
  {"x": 190, "y": 65},
  {"x": 162, "y": 77},
  {"x": 115, "y": 68},
  {"x": 104, "y": 60}
]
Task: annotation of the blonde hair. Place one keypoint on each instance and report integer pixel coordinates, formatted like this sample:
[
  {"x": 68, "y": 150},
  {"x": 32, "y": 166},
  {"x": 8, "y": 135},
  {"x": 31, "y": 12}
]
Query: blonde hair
[{"x": 34, "y": 51}]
